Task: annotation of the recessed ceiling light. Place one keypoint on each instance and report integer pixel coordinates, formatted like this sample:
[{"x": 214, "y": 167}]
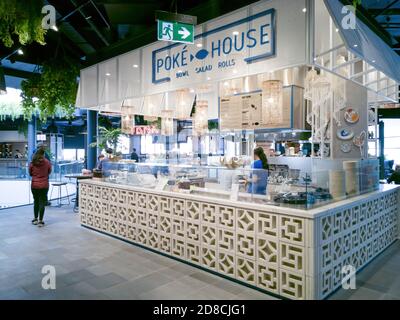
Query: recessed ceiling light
[
  {"x": 235, "y": 33},
  {"x": 191, "y": 90},
  {"x": 20, "y": 52},
  {"x": 199, "y": 45},
  {"x": 356, "y": 45},
  {"x": 108, "y": 74},
  {"x": 135, "y": 66},
  {"x": 304, "y": 10},
  {"x": 208, "y": 78},
  {"x": 373, "y": 61}
]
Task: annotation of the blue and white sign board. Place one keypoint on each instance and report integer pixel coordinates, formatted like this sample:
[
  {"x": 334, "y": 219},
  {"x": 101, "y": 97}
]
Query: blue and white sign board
[
  {"x": 224, "y": 49},
  {"x": 265, "y": 36}
]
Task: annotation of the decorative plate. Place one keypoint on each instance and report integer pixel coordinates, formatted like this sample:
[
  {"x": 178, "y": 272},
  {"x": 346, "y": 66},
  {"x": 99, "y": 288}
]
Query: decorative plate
[
  {"x": 359, "y": 141},
  {"x": 344, "y": 134},
  {"x": 345, "y": 147},
  {"x": 351, "y": 116}
]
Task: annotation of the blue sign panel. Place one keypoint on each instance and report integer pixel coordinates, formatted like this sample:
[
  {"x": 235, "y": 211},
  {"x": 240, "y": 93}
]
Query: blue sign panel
[{"x": 220, "y": 50}]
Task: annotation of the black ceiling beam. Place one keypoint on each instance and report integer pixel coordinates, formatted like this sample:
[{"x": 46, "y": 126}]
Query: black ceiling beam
[
  {"x": 205, "y": 11},
  {"x": 389, "y": 12},
  {"x": 370, "y": 21},
  {"x": 386, "y": 8},
  {"x": 17, "y": 73},
  {"x": 91, "y": 24}
]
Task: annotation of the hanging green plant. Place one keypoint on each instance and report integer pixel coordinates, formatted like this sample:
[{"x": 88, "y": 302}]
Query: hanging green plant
[
  {"x": 51, "y": 92},
  {"x": 22, "y": 18}
]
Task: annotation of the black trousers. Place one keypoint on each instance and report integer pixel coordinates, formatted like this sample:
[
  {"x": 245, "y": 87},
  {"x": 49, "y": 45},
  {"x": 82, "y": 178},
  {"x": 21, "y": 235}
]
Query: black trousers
[{"x": 39, "y": 202}]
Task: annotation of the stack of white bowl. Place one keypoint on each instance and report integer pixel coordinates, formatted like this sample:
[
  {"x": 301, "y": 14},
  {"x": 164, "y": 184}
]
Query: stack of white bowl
[
  {"x": 337, "y": 184},
  {"x": 351, "y": 169}
]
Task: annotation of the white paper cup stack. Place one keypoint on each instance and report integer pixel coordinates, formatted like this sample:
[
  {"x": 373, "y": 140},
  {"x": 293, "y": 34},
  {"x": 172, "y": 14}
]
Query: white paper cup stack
[
  {"x": 336, "y": 184},
  {"x": 351, "y": 169}
]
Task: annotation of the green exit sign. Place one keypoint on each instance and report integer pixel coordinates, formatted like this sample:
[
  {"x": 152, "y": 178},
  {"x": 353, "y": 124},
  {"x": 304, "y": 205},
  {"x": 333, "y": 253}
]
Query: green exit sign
[{"x": 175, "y": 31}]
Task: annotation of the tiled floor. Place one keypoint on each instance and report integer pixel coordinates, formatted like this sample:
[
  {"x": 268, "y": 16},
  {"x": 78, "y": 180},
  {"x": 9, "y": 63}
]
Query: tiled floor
[{"x": 93, "y": 266}]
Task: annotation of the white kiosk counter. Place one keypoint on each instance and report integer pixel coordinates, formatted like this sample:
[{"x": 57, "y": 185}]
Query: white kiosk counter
[{"x": 293, "y": 253}]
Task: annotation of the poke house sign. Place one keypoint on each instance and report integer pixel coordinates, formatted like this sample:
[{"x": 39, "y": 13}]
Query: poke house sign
[{"x": 228, "y": 48}]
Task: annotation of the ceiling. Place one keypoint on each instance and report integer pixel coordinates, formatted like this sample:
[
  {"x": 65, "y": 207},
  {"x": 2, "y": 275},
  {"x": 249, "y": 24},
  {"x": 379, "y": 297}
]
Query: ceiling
[
  {"x": 383, "y": 16},
  {"x": 94, "y": 30}
]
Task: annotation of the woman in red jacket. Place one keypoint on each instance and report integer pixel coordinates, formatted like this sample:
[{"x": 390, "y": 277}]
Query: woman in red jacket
[{"x": 39, "y": 169}]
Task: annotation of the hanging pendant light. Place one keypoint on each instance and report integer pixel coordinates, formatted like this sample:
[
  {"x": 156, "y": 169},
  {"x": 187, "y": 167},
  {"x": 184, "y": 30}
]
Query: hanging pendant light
[
  {"x": 167, "y": 122},
  {"x": 3, "y": 89},
  {"x": 200, "y": 121},
  {"x": 183, "y": 104},
  {"x": 272, "y": 101}
]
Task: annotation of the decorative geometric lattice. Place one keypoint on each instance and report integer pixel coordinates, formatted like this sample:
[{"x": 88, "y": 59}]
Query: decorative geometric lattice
[
  {"x": 360, "y": 233},
  {"x": 246, "y": 245},
  {"x": 292, "y": 229},
  {"x": 208, "y": 236},
  {"x": 178, "y": 247},
  {"x": 165, "y": 225},
  {"x": 165, "y": 243},
  {"x": 209, "y": 257},
  {"x": 226, "y": 240},
  {"x": 267, "y": 277},
  {"x": 267, "y": 225},
  {"x": 226, "y": 263},
  {"x": 292, "y": 257},
  {"x": 292, "y": 285},
  {"x": 178, "y": 228},
  {"x": 192, "y": 231},
  {"x": 208, "y": 213},
  {"x": 226, "y": 217},
  {"x": 193, "y": 210},
  {"x": 178, "y": 208},
  {"x": 267, "y": 251},
  {"x": 246, "y": 270},
  {"x": 245, "y": 221},
  {"x": 272, "y": 251},
  {"x": 193, "y": 252}
]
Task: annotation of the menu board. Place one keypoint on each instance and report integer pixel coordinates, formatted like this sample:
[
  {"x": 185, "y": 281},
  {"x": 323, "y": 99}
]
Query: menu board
[
  {"x": 245, "y": 112},
  {"x": 231, "y": 113}
]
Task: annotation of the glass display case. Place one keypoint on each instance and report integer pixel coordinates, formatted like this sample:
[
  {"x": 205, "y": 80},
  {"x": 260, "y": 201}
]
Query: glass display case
[{"x": 280, "y": 185}]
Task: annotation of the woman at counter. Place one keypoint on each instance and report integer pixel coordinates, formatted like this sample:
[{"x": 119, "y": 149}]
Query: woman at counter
[{"x": 257, "y": 184}]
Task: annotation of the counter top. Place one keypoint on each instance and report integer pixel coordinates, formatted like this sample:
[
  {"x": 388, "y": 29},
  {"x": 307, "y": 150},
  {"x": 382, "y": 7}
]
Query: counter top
[{"x": 310, "y": 214}]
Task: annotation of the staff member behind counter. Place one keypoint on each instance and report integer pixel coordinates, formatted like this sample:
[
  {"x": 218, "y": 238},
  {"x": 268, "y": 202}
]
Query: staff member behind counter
[{"x": 257, "y": 182}]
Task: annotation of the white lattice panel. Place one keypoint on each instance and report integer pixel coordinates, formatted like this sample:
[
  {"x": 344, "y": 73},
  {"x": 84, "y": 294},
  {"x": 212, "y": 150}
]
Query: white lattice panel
[
  {"x": 353, "y": 236},
  {"x": 272, "y": 251}
]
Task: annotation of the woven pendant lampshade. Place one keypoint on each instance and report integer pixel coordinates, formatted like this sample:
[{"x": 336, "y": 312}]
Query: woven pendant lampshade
[
  {"x": 183, "y": 104},
  {"x": 167, "y": 122},
  {"x": 200, "y": 125}
]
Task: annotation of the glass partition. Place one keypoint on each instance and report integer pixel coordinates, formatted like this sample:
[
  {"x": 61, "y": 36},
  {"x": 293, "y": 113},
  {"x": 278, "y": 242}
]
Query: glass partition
[{"x": 280, "y": 185}]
